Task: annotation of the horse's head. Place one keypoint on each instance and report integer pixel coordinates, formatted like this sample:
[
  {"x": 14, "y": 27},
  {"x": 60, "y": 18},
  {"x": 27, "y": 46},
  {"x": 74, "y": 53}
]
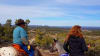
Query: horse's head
[{"x": 58, "y": 46}]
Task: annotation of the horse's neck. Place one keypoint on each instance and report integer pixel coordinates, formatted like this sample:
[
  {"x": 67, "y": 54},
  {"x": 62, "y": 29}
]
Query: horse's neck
[{"x": 59, "y": 46}]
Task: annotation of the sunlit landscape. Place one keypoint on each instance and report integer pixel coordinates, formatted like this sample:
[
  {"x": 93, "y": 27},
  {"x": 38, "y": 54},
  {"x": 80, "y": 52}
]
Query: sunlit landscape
[{"x": 47, "y": 20}]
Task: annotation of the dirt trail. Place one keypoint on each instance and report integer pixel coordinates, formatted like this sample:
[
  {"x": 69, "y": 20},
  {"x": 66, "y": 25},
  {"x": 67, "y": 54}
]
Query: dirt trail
[{"x": 47, "y": 53}]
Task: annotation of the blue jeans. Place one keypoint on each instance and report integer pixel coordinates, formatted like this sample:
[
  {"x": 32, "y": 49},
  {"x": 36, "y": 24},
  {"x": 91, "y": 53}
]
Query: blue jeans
[{"x": 29, "y": 52}]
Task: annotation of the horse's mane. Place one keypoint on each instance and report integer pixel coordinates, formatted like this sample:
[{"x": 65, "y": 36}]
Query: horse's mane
[{"x": 59, "y": 47}]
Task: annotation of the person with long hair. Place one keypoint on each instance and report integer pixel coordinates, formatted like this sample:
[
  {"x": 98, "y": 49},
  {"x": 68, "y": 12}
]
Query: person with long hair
[{"x": 74, "y": 42}]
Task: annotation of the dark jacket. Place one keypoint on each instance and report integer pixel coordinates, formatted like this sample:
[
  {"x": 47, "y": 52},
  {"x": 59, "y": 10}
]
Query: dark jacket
[{"x": 75, "y": 46}]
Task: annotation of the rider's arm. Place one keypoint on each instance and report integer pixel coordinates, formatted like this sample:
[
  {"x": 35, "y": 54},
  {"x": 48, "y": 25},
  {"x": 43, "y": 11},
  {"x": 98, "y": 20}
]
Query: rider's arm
[
  {"x": 24, "y": 37},
  {"x": 65, "y": 46},
  {"x": 25, "y": 41},
  {"x": 84, "y": 47}
]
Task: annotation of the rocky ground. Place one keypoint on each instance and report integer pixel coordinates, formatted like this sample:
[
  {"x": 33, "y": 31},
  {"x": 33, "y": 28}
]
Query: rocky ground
[{"x": 47, "y": 53}]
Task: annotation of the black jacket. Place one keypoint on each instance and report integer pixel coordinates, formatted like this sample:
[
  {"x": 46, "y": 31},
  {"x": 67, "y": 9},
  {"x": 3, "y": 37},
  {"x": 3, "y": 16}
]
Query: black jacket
[{"x": 76, "y": 46}]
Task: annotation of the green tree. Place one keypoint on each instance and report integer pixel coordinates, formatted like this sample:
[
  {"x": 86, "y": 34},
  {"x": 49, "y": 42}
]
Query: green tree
[
  {"x": 16, "y": 21},
  {"x": 43, "y": 39},
  {"x": 8, "y": 22},
  {"x": 39, "y": 37},
  {"x": 46, "y": 42},
  {"x": 27, "y": 22},
  {"x": 1, "y": 30},
  {"x": 8, "y": 29}
]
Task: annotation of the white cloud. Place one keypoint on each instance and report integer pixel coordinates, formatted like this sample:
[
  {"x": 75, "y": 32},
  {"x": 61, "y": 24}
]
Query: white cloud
[
  {"x": 66, "y": 22},
  {"x": 15, "y": 12},
  {"x": 80, "y": 2},
  {"x": 29, "y": 11}
]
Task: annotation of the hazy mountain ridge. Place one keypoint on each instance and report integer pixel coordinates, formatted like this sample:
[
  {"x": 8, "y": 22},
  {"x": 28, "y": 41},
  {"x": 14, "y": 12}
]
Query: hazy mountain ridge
[{"x": 68, "y": 27}]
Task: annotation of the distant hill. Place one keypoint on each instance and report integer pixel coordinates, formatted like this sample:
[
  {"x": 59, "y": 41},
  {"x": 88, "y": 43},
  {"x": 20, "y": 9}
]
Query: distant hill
[
  {"x": 66, "y": 27},
  {"x": 84, "y": 27}
]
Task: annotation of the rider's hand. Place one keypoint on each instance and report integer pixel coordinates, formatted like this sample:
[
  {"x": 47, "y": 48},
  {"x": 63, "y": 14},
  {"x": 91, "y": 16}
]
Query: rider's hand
[
  {"x": 89, "y": 45},
  {"x": 28, "y": 47}
]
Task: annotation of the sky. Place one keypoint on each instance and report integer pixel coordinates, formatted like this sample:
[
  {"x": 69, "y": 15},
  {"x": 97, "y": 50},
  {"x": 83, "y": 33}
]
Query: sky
[{"x": 52, "y": 12}]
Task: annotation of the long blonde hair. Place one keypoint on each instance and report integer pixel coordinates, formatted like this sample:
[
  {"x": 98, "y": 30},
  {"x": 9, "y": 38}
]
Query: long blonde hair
[{"x": 75, "y": 31}]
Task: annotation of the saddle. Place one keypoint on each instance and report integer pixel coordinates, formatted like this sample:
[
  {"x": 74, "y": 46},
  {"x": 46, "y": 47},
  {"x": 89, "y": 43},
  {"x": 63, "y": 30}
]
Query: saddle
[
  {"x": 21, "y": 52},
  {"x": 66, "y": 54}
]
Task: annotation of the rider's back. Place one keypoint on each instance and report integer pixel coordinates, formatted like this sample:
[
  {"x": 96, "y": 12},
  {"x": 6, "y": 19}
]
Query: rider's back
[{"x": 18, "y": 33}]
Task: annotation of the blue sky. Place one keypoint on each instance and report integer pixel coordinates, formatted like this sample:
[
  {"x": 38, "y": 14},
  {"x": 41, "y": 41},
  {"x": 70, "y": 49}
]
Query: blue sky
[{"x": 52, "y": 12}]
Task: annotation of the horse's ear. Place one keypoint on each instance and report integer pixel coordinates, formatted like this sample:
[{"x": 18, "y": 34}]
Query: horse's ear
[{"x": 55, "y": 40}]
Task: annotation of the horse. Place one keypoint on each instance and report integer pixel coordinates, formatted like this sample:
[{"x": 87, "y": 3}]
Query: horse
[
  {"x": 58, "y": 46},
  {"x": 11, "y": 51}
]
